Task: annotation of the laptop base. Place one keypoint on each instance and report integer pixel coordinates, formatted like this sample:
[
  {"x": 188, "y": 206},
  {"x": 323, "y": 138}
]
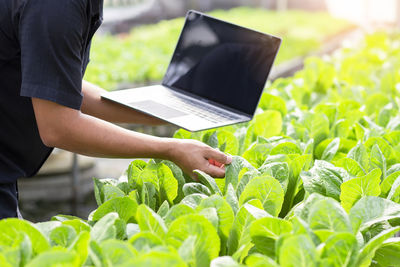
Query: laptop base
[{"x": 173, "y": 107}]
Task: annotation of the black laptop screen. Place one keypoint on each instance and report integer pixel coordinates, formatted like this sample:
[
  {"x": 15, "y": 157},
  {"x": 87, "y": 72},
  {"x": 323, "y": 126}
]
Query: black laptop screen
[{"x": 222, "y": 62}]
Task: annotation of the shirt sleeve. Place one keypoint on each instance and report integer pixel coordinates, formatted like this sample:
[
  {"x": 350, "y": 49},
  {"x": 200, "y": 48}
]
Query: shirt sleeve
[{"x": 52, "y": 44}]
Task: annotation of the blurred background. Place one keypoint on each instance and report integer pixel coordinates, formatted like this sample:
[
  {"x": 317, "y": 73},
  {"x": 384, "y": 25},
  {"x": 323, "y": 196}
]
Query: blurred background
[{"x": 133, "y": 48}]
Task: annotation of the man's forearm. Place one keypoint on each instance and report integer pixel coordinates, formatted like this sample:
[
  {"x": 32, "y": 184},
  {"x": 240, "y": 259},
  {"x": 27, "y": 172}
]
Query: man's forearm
[
  {"x": 107, "y": 110},
  {"x": 94, "y": 137},
  {"x": 77, "y": 132}
]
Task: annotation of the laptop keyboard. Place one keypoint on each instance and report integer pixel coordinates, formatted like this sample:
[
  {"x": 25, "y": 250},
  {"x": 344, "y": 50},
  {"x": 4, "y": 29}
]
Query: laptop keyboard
[
  {"x": 199, "y": 109},
  {"x": 158, "y": 109}
]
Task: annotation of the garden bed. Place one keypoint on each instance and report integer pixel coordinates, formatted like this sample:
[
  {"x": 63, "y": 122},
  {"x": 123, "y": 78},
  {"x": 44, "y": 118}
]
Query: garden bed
[{"x": 319, "y": 186}]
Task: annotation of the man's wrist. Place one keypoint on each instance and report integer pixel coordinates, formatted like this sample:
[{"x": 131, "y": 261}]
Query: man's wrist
[{"x": 168, "y": 148}]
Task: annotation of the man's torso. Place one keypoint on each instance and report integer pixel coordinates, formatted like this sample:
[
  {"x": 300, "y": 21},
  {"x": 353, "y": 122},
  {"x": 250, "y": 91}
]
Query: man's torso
[{"x": 21, "y": 150}]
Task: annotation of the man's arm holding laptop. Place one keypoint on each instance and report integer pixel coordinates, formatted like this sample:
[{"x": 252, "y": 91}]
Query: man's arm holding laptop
[{"x": 75, "y": 131}]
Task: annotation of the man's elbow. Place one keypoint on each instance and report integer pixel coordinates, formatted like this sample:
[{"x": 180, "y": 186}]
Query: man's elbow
[
  {"x": 53, "y": 121},
  {"x": 50, "y": 136}
]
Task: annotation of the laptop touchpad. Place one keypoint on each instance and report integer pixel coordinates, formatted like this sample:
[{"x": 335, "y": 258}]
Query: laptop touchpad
[{"x": 157, "y": 109}]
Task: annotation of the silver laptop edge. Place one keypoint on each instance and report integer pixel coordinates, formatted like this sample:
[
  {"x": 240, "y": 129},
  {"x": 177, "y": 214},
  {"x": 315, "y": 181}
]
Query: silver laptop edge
[{"x": 124, "y": 97}]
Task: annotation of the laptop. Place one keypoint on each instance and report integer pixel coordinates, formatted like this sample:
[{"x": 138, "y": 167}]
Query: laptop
[{"x": 215, "y": 78}]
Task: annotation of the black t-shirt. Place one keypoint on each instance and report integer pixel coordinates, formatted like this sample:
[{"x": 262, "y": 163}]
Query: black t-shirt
[{"x": 44, "y": 51}]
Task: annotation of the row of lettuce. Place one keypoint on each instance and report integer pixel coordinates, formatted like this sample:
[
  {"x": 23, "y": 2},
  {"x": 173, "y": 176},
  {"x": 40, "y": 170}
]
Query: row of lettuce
[
  {"x": 142, "y": 55},
  {"x": 315, "y": 181}
]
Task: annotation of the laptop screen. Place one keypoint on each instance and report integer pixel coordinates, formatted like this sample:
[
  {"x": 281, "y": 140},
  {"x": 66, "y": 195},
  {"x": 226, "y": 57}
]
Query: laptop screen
[{"x": 222, "y": 62}]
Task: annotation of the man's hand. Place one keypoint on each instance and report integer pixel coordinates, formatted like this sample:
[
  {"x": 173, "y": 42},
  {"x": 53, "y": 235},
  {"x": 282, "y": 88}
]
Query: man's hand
[{"x": 191, "y": 155}]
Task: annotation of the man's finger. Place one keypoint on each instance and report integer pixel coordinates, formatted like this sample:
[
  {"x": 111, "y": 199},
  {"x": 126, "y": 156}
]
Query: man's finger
[
  {"x": 218, "y": 156},
  {"x": 215, "y": 171},
  {"x": 216, "y": 163}
]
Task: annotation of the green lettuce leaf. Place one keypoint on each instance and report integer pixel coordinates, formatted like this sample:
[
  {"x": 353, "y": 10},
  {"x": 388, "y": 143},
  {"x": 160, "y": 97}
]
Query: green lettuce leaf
[
  {"x": 356, "y": 188},
  {"x": 266, "y": 189},
  {"x": 207, "y": 244}
]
